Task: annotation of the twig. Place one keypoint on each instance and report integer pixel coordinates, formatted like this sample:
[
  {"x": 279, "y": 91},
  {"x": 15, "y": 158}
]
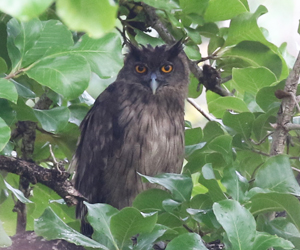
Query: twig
[{"x": 196, "y": 106}]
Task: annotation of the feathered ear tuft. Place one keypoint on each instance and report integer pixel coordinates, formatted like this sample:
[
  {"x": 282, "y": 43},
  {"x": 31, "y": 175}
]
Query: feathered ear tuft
[
  {"x": 175, "y": 49},
  {"x": 133, "y": 50}
]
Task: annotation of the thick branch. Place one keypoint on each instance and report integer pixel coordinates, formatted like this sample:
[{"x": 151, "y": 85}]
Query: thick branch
[
  {"x": 158, "y": 25},
  {"x": 51, "y": 178},
  {"x": 285, "y": 112}
]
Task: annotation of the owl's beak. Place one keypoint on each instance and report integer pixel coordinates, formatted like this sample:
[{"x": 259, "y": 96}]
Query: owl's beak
[{"x": 153, "y": 83}]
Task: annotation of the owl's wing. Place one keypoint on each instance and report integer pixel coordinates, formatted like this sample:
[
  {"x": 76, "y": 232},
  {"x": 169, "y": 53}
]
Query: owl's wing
[{"x": 97, "y": 143}]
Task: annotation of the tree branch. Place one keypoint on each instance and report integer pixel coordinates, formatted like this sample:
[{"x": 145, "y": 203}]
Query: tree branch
[
  {"x": 51, "y": 178},
  {"x": 285, "y": 112}
]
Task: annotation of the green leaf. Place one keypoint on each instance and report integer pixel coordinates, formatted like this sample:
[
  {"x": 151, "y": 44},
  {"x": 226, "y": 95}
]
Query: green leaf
[
  {"x": 180, "y": 185},
  {"x": 252, "y": 79},
  {"x": 53, "y": 37},
  {"x": 223, "y": 145},
  {"x": 283, "y": 228},
  {"x": 51, "y": 227},
  {"x": 22, "y": 90},
  {"x": 218, "y": 106},
  {"x": 5, "y": 241},
  {"x": 3, "y": 66},
  {"x": 21, "y": 37},
  {"x": 67, "y": 75},
  {"x": 193, "y": 6},
  {"x": 77, "y": 113},
  {"x": 261, "y": 125},
  {"x": 20, "y": 196},
  {"x": 238, "y": 223},
  {"x": 265, "y": 241},
  {"x": 219, "y": 10},
  {"x": 151, "y": 200},
  {"x": 244, "y": 28},
  {"x": 255, "y": 54},
  {"x": 103, "y": 54},
  {"x": 266, "y": 98},
  {"x": 96, "y": 18},
  {"x": 241, "y": 123},
  {"x": 130, "y": 222},
  {"x": 8, "y": 90},
  {"x": 276, "y": 175},
  {"x": 186, "y": 241},
  {"x": 193, "y": 136},
  {"x": 54, "y": 119},
  {"x": 211, "y": 130},
  {"x": 236, "y": 185},
  {"x": 164, "y": 5},
  {"x": 208, "y": 180},
  {"x": 99, "y": 215},
  {"x": 146, "y": 240},
  {"x": 24, "y": 10},
  {"x": 4, "y": 134},
  {"x": 276, "y": 202}
]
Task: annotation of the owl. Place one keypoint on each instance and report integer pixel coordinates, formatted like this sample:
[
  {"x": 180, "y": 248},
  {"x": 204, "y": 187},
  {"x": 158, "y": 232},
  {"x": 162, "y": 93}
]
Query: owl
[{"x": 135, "y": 126}]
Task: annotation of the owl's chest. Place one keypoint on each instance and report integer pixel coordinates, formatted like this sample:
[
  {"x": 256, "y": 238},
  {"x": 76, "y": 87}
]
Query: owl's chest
[{"x": 153, "y": 137}]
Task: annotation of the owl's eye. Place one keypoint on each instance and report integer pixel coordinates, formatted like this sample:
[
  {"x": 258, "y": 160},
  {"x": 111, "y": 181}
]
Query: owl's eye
[
  {"x": 141, "y": 69},
  {"x": 166, "y": 68}
]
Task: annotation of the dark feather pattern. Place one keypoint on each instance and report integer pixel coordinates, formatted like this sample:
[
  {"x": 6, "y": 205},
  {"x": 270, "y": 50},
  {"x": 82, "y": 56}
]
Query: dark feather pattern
[{"x": 129, "y": 129}]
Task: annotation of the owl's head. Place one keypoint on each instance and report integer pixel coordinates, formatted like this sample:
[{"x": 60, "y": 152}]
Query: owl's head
[{"x": 156, "y": 68}]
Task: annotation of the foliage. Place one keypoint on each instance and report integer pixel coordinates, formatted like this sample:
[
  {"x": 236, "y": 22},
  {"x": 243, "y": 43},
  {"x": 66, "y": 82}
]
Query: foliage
[{"x": 229, "y": 183}]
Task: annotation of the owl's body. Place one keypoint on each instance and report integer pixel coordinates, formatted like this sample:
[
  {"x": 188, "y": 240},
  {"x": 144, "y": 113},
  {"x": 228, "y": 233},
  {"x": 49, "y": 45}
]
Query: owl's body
[{"x": 135, "y": 125}]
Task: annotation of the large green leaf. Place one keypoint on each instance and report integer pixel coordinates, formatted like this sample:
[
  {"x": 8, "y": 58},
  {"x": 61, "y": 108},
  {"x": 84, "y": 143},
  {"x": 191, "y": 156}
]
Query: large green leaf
[
  {"x": 180, "y": 185},
  {"x": 193, "y": 6},
  {"x": 218, "y": 106},
  {"x": 276, "y": 202},
  {"x": 238, "y": 223},
  {"x": 281, "y": 227},
  {"x": 219, "y": 10},
  {"x": 254, "y": 54},
  {"x": 8, "y": 90},
  {"x": 51, "y": 227},
  {"x": 54, "y": 119},
  {"x": 103, "y": 54},
  {"x": 24, "y": 9},
  {"x": 209, "y": 180},
  {"x": 164, "y": 5},
  {"x": 236, "y": 185},
  {"x": 252, "y": 79},
  {"x": 266, "y": 98},
  {"x": 264, "y": 241},
  {"x": 21, "y": 37},
  {"x": 186, "y": 241},
  {"x": 4, "y": 133},
  {"x": 241, "y": 123},
  {"x": 99, "y": 216},
  {"x": 130, "y": 222},
  {"x": 276, "y": 175},
  {"x": 53, "y": 38},
  {"x": 95, "y": 17},
  {"x": 244, "y": 28},
  {"x": 67, "y": 75},
  {"x": 145, "y": 240},
  {"x": 223, "y": 145},
  {"x": 151, "y": 200}
]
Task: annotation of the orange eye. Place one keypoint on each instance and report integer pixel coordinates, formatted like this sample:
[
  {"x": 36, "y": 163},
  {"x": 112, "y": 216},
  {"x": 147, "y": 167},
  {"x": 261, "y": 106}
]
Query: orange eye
[
  {"x": 166, "y": 68},
  {"x": 141, "y": 69}
]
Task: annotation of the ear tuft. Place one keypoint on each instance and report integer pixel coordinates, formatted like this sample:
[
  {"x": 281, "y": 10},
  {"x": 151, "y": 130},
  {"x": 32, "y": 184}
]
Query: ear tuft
[{"x": 175, "y": 49}]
